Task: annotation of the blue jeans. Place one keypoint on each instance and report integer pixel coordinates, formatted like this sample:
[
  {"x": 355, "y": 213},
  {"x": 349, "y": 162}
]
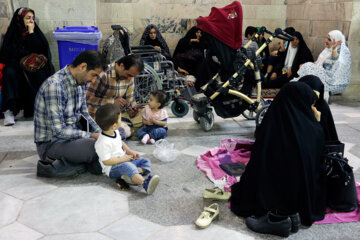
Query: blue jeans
[
  {"x": 130, "y": 168},
  {"x": 154, "y": 132}
]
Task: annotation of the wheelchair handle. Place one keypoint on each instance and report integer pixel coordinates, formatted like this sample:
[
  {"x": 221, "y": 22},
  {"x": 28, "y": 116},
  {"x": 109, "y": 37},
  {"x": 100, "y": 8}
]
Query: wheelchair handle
[
  {"x": 283, "y": 35},
  {"x": 278, "y": 33},
  {"x": 116, "y": 27}
]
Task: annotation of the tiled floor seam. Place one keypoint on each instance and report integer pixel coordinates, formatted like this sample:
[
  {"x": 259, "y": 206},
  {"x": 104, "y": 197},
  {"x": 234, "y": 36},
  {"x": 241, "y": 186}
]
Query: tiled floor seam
[
  {"x": 129, "y": 214},
  {"x": 24, "y": 200}
]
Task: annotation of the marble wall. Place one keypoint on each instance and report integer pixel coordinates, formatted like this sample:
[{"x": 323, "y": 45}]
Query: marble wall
[
  {"x": 173, "y": 17},
  {"x": 314, "y": 18}
]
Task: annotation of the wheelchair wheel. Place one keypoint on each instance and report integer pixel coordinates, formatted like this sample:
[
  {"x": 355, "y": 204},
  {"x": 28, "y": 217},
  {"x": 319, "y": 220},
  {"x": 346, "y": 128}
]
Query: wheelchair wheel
[
  {"x": 251, "y": 115},
  {"x": 179, "y": 108},
  {"x": 169, "y": 98},
  {"x": 196, "y": 116},
  {"x": 260, "y": 115},
  {"x": 146, "y": 82},
  {"x": 206, "y": 124}
]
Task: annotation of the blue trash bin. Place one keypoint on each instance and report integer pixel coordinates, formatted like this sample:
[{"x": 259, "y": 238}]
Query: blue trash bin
[{"x": 74, "y": 40}]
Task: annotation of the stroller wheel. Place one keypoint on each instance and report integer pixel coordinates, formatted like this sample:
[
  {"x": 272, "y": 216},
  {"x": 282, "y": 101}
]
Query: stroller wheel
[
  {"x": 260, "y": 115},
  {"x": 196, "y": 116},
  {"x": 179, "y": 108},
  {"x": 251, "y": 115},
  {"x": 207, "y": 122}
]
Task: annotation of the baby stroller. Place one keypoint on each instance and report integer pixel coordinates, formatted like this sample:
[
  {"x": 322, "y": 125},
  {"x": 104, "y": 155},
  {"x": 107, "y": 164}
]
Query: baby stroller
[
  {"x": 159, "y": 74},
  {"x": 229, "y": 90}
]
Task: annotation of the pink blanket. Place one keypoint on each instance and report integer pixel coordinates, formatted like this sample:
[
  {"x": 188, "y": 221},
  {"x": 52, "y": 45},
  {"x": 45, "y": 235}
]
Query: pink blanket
[
  {"x": 231, "y": 150},
  {"x": 234, "y": 150}
]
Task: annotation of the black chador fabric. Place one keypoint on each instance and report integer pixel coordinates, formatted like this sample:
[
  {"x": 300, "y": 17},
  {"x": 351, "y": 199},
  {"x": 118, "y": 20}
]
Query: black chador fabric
[
  {"x": 188, "y": 55},
  {"x": 17, "y": 93},
  {"x": 302, "y": 56},
  {"x": 159, "y": 41},
  {"x": 284, "y": 171},
  {"x": 15, "y": 45},
  {"x": 326, "y": 120}
]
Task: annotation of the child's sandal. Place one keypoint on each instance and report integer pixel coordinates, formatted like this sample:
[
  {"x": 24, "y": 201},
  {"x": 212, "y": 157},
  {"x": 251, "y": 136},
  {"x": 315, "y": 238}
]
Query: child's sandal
[{"x": 124, "y": 186}]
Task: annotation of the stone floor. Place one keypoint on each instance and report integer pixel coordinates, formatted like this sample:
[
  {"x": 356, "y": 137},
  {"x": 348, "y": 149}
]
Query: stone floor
[{"x": 91, "y": 207}]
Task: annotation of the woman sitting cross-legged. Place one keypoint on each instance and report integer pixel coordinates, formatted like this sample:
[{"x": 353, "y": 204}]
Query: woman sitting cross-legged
[
  {"x": 23, "y": 37},
  {"x": 296, "y": 53},
  {"x": 189, "y": 52},
  {"x": 333, "y": 65},
  {"x": 283, "y": 184}
]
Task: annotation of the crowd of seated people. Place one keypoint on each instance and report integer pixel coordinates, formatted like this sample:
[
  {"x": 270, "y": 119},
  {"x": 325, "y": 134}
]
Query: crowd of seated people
[{"x": 299, "y": 118}]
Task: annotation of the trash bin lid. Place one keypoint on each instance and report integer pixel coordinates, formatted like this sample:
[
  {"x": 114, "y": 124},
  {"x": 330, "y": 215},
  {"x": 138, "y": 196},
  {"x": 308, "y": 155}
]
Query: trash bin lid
[{"x": 77, "y": 29}]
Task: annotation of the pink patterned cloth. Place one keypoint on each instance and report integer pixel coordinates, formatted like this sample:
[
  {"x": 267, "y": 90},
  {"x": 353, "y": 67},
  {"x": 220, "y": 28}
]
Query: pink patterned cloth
[
  {"x": 234, "y": 150},
  {"x": 231, "y": 150},
  {"x": 341, "y": 217}
]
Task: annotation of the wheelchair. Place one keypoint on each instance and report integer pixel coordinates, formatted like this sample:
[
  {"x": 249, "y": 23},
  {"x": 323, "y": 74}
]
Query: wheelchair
[{"x": 159, "y": 74}]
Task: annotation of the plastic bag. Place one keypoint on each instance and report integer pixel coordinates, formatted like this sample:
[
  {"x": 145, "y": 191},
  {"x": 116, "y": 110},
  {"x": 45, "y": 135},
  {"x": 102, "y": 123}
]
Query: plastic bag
[{"x": 165, "y": 151}]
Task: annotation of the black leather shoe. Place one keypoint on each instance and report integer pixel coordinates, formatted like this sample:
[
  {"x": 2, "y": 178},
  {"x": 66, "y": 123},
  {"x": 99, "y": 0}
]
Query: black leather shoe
[
  {"x": 59, "y": 168},
  {"x": 295, "y": 221},
  {"x": 270, "y": 224}
]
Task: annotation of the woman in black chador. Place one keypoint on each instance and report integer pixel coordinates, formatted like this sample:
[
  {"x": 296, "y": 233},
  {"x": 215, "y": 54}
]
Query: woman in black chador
[
  {"x": 284, "y": 174},
  {"x": 296, "y": 53},
  {"x": 153, "y": 37},
  {"x": 189, "y": 52},
  {"x": 326, "y": 120},
  {"x": 22, "y": 38}
]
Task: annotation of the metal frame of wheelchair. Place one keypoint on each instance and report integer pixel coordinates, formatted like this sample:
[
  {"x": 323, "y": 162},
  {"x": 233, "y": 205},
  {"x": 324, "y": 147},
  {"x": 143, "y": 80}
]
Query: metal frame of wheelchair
[
  {"x": 159, "y": 74},
  {"x": 201, "y": 104}
]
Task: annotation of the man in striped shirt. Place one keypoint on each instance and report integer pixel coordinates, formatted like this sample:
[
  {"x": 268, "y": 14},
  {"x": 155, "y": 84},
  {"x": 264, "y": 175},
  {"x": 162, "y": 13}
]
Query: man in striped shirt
[
  {"x": 116, "y": 85},
  {"x": 60, "y": 109}
]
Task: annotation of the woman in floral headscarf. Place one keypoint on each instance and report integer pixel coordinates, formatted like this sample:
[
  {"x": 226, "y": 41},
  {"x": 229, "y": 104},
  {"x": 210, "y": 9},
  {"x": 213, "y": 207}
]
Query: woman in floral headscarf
[
  {"x": 23, "y": 37},
  {"x": 333, "y": 65}
]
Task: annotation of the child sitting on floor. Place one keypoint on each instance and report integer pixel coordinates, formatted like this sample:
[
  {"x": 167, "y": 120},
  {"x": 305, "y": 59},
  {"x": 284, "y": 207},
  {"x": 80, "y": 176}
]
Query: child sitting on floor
[
  {"x": 116, "y": 158},
  {"x": 154, "y": 118}
]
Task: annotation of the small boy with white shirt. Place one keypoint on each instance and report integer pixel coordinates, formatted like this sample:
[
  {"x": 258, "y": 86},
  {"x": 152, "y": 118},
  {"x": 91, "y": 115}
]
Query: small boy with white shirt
[{"x": 116, "y": 158}]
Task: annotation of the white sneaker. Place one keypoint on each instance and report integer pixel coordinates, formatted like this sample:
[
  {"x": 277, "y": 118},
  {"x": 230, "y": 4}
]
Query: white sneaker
[{"x": 9, "y": 119}]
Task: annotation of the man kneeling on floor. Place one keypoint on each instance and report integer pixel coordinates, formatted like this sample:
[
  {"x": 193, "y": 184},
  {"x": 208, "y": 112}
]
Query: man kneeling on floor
[{"x": 65, "y": 133}]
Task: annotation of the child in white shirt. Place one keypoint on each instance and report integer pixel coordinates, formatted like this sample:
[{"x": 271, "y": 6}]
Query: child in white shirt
[{"x": 116, "y": 158}]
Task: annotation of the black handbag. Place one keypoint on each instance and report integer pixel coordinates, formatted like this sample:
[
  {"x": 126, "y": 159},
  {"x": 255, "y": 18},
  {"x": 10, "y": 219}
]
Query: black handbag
[{"x": 341, "y": 190}]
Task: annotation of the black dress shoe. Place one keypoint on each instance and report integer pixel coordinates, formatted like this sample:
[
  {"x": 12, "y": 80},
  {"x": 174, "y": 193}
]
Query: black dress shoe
[
  {"x": 295, "y": 221},
  {"x": 270, "y": 224},
  {"x": 59, "y": 168}
]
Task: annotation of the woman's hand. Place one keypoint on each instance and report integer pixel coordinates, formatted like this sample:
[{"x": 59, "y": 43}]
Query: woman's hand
[
  {"x": 317, "y": 114},
  {"x": 273, "y": 76},
  {"x": 288, "y": 73},
  {"x": 30, "y": 27},
  {"x": 195, "y": 40},
  {"x": 157, "y": 48},
  {"x": 335, "y": 44}
]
